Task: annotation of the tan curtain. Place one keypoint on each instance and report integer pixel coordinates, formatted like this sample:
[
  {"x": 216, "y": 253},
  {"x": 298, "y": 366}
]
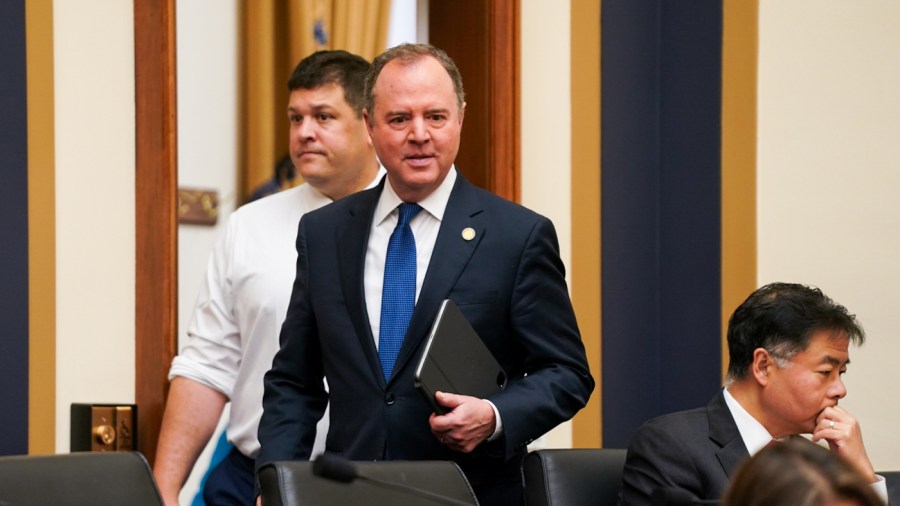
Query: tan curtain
[{"x": 276, "y": 34}]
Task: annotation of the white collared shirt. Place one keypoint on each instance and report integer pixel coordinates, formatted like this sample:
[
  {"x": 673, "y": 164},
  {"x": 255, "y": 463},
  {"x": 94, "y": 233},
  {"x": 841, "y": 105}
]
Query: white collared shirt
[
  {"x": 755, "y": 436},
  {"x": 242, "y": 303},
  {"x": 425, "y": 226}
]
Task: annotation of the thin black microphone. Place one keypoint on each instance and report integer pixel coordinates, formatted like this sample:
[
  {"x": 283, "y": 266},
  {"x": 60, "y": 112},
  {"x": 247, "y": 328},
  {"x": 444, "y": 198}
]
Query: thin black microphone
[
  {"x": 332, "y": 467},
  {"x": 674, "y": 496}
]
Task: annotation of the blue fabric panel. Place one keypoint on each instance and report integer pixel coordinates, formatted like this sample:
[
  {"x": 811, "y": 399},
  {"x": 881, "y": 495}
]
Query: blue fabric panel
[
  {"x": 13, "y": 231},
  {"x": 661, "y": 106}
]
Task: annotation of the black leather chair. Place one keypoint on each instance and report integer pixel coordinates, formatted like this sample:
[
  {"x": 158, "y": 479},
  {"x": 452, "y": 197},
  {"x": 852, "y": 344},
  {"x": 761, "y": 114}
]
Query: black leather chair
[
  {"x": 576, "y": 477},
  {"x": 892, "y": 478},
  {"x": 292, "y": 483},
  {"x": 76, "y": 479}
]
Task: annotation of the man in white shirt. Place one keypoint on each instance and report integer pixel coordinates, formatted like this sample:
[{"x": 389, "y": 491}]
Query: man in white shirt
[
  {"x": 788, "y": 347},
  {"x": 234, "y": 331}
]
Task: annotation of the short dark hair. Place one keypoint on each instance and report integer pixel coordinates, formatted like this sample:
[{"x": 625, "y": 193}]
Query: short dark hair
[
  {"x": 333, "y": 67},
  {"x": 782, "y": 318},
  {"x": 408, "y": 53}
]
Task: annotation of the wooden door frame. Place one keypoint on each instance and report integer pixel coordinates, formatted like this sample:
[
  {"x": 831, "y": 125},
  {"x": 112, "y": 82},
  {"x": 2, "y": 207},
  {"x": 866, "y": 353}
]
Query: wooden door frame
[
  {"x": 488, "y": 59},
  {"x": 156, "y": 172},
  {"x": 156, "y": 229}
]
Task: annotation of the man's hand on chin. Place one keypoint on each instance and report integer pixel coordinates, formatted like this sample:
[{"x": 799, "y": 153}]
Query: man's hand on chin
[{"x": 844, "y": 437}]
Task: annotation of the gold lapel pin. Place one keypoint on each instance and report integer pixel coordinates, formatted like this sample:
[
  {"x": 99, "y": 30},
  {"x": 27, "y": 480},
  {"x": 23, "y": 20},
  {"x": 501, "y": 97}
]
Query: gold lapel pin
[{"x": 468, "y": 233}]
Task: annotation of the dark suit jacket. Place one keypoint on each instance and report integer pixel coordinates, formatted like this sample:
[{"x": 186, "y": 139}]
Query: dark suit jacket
[
  {"x": 508, "y": 282},
  {"x": 696, "y": 451}
]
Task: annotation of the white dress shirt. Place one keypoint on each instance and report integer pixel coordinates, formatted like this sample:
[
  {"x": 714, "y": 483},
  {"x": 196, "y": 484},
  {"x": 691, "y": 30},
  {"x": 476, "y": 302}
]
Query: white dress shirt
[
  {"x": 755, "y": 436},
  {"x": 424, "y": 225},
  {"x": 233, "y": 334}
]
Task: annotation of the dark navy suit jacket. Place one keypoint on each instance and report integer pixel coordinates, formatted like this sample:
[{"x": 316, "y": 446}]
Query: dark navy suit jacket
[
  {"x": 509, "y": 283},
  {"x": 696, "y": 451}
]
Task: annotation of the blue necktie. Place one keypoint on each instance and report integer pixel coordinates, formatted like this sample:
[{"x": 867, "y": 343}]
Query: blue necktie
[{"x": 398, "y": 296}]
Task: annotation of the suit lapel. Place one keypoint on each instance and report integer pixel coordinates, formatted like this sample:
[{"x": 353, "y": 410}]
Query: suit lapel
[
  {"x": 352, "y": 241},
  {"x": 724, "y": 432},
  {"x": 451, "y": 254}
]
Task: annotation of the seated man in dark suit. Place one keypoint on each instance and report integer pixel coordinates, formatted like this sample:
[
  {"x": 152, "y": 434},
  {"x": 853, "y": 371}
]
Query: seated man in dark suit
[{"x": 788, "y": 347}]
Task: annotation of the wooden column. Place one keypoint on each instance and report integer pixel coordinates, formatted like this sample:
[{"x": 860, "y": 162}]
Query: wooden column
[{"x": 156, "y": 283}]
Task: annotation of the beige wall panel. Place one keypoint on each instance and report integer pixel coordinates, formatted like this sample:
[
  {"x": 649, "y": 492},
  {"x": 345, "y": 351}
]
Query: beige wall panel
[{"x": 829, "y": 184}]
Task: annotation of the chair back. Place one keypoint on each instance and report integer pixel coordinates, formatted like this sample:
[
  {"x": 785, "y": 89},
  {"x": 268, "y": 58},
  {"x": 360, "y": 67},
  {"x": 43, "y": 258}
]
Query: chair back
[
  {"x": 575, "y": 477},
  {"x": 892, "y": 479},
  {"x": 292, "y": 483},
  {"x": 76, "y": 479}
]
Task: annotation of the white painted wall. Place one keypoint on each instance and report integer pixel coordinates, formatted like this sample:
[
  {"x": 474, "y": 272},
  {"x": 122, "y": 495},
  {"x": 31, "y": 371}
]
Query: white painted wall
[
  {"x": 546, "y": 136},
  {"x": 829, "y": 180},
  {"x": 404, "y": 18},
  {"x": 208, "y": 112},
  {"x": 94, "y": 129}
]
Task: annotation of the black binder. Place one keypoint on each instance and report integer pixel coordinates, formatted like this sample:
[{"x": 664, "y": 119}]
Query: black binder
[{"x": 456, "y": 360}]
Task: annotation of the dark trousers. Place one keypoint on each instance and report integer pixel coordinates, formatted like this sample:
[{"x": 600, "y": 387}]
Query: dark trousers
[{"x": 231, "y": 483}]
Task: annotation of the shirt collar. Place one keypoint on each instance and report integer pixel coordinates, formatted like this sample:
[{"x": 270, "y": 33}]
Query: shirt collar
[
  {"x": 755, "y": 436},
  {"x": 435, "y": 203},
  {"x": 377, "y": 179}
]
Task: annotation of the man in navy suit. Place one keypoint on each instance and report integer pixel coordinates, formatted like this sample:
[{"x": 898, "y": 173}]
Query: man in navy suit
[
  {"x": 788, "y": 348},
  {"x": 498, "y": 261}
]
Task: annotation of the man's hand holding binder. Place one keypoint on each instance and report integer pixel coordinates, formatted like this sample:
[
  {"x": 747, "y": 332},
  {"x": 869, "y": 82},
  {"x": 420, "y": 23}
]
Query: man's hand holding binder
[
  {"x": 469, "y": 422},
  {"x": 455, "y": 374}
]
